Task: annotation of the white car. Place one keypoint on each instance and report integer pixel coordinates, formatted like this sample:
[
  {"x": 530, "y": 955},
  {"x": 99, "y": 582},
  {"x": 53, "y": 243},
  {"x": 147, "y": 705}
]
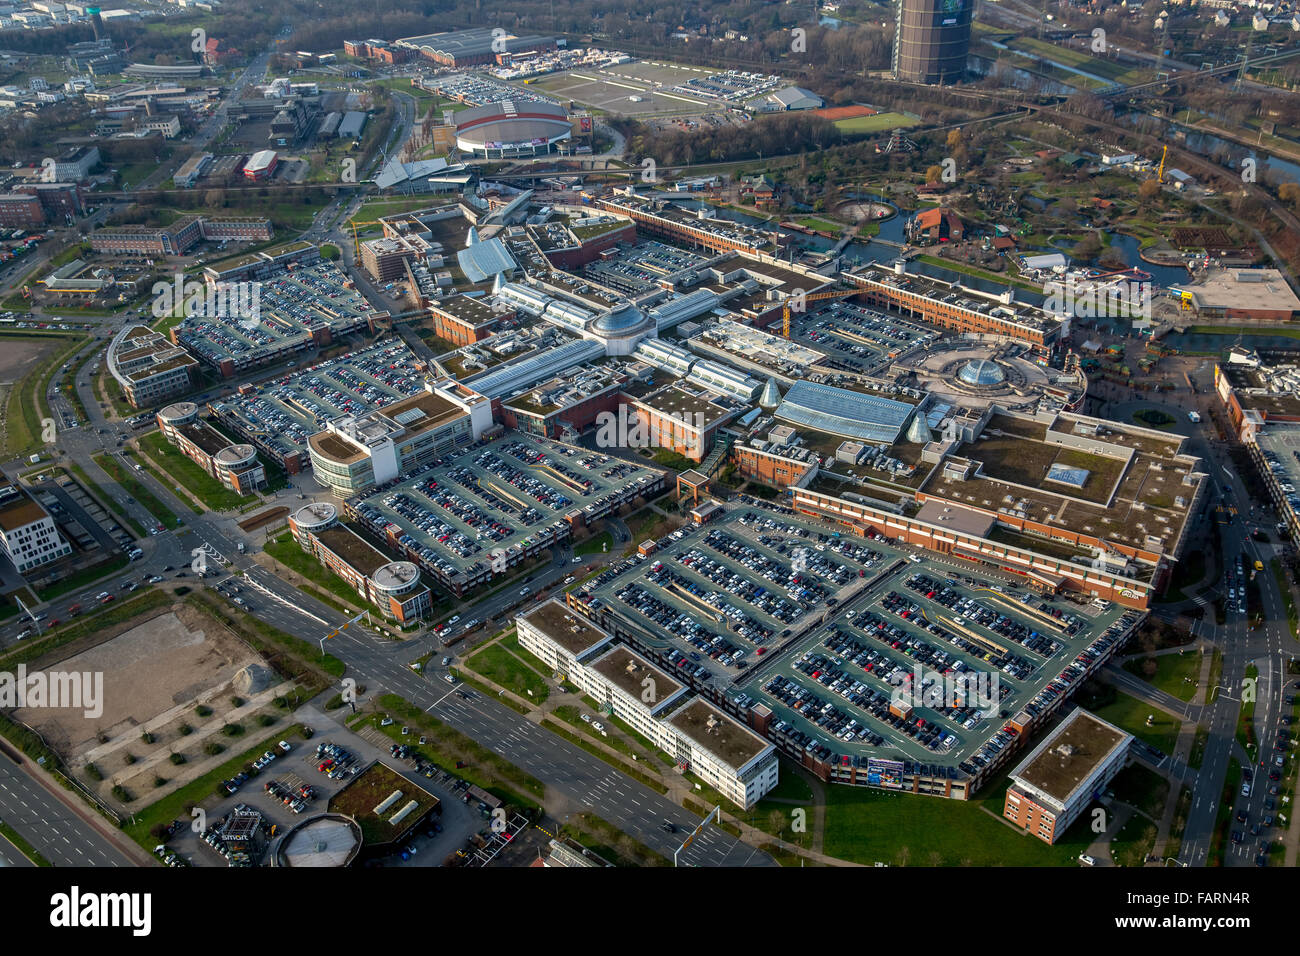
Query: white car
[
  {"x": 597, "y": 725},
  {"x": 586, "y": 718},
  {"x": 454, "y": 619}
]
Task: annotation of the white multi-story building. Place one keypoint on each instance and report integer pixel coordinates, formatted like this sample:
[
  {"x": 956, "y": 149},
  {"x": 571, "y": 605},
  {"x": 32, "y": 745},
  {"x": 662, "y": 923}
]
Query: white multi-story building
[
  {"x": 29, "y": 535},
  {"x": 726, "y": 755}
]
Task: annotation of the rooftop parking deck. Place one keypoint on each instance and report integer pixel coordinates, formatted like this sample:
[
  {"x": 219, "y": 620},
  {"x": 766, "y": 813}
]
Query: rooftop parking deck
[
  {"x": 288, "y": 307},
  {"x": 830, "y": 631},
  {"x": 283, "y": 413},
  {"x": 476, "y": 512}
]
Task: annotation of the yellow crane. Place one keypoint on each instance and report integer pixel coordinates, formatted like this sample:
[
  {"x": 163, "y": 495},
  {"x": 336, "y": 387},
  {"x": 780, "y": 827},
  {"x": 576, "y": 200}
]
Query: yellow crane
[
  {"x": 1160, "y": 173},
  {"x": 812, "y": 297},
  {"x": 356, "y": 241}
]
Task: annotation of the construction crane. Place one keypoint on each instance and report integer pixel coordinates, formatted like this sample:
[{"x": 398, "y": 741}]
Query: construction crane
[
  {"x": 1160, "y": 173},
  {"x": 811, "y": 297},
  {"x": 356, "y": 241}
]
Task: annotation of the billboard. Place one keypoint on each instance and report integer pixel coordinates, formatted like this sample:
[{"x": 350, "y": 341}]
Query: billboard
[
  {"x": 584, "y": 124},
  {"x": 885, "y": 773}
]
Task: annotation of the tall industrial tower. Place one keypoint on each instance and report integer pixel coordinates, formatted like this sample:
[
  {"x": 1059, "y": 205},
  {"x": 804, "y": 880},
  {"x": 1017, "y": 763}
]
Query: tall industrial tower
[{"x": 931, "y": 40}]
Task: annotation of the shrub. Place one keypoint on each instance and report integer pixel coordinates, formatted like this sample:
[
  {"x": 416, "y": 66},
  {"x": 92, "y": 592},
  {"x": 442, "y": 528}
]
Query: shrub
[
  {"x": 93, "y": 772},
  {"x": 177, "y": 759},
  {"x": 148, "y": 737},
  {"x": 236, "y": 702},
  {"x": 122, "y": 794},
  {"x": 128, "y": 759},
  {"x": 232, "y": 730},
  {"x": 185, "y": 730},
  {"x": 203, "y": 710},
  {"x": 212, "y": 748}
]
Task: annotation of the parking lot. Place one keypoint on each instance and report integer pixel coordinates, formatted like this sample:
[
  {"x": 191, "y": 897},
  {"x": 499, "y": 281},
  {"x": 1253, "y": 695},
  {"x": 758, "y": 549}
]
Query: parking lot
[
  {"x": 637, "y": 269},
  {"x": 289, "y": 306},
  {"x": 293, "y": 787},
  {"x": 285, "y": 412},
  {"x": 861, "y": 339},
  {"x": 859, "y": 646},
  {"x": 483, "y": 510}
]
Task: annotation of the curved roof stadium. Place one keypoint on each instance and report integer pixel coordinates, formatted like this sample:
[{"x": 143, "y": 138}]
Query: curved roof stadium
[
  {"x": 839, "y": 411},
  {"x": 507, "y": 124},
  {"x": 982, "y": 372}
]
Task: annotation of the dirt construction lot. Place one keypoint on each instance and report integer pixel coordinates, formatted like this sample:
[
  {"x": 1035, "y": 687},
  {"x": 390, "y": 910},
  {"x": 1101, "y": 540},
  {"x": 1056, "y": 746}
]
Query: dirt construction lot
[
  {"x": 17, "y": 355},
  {"x": 171, "y": 685}
]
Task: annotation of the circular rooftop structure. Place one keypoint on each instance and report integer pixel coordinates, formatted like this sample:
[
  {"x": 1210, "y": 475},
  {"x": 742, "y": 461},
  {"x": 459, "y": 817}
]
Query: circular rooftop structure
[
  {"x": 624, "y": 317},
  {"x": 315, "y": 516},
  {"x": 982, "y": 373},
  {"x": 179, "y": 413},
  {"x": 396, "y": 577},
  {"x": 233, "y": 455},
  {"x": 329, "y": 840}
]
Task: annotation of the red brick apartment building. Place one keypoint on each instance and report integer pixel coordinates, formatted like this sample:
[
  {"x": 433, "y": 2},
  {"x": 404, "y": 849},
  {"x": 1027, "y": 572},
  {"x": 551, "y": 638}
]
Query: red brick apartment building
[{"x": 1064, "y": 774}]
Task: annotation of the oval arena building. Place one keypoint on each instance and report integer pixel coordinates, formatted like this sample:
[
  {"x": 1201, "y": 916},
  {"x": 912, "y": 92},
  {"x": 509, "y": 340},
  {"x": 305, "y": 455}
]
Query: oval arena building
[{"x": 498, "y": 130}]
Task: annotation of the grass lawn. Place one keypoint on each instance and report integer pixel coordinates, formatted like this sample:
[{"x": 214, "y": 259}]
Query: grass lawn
[
  {"x": 504, "y": 669},
  {"x": 115, "y": 470},
  {"x": 1129, "y": 713},
  {"x": 824, "y": 225},
  {"x": 26, "y": 404},
  {"x": 1134, "y": 841},
  {"x": 1176, "y": 674},
  {"x": 1143, "y": 789},
  {"x": 598, "y": 544},
  {"x": 285, "y": 550},
  {"x": 868, "y": 826},
  {"x": 173, "y": 465},
  {"x": 84, "y": 576},
  {"x": 875, "y": 124}
]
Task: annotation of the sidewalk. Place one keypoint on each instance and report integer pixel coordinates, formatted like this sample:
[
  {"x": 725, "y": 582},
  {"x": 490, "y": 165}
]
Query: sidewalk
[{"x": 679, "y": 788}]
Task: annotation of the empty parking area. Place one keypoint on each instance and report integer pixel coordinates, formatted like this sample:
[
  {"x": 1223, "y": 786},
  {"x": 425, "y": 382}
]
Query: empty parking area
[
  {"x": 285, "y": 412},
  {"x": 480, "y": 511},
  {"x": 247, "y": 321}
]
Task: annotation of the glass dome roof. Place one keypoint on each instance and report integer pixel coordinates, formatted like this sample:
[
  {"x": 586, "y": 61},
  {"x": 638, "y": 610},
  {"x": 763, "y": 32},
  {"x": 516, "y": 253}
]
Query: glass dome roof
[
  {"x": 621, "y": 318},
  {"x": 981, "y": 372}
]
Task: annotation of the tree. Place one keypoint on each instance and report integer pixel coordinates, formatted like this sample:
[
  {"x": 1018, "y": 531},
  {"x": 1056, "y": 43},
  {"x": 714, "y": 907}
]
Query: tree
[
  {"x": 214, "y": 198},
  {"x": 934, "y": 173},
  {"x": 1149, "y": 190},
  {"x": 1087, "y": 248}
]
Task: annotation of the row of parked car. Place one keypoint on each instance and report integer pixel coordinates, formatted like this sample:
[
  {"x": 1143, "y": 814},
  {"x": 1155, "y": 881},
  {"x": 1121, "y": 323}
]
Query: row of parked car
[
  {"x": 672, "y": 621},
  {"x": 968, "y": 609},
  {"x": 742, "y": 623},
  {"x": 1056, "y": 691},
  {"x": 951, "y": 698},
  {"x": 334, "y": 761},
  {"x": 1006, "y": 661},
  {"x": 800, "y": 582},
  {"x": 821, "y": 712},
  {"x": 829, "y": 673},
  {"x": 784, "y": 608},
  {"x": 295, "y": 800}
]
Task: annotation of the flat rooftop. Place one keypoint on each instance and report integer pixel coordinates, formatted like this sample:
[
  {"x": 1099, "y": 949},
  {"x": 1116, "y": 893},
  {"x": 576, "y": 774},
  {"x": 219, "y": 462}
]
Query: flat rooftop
[
  {"x": 571, "y": 631},
  {"x": 349, "y": 546},
  {"x": 629, "y": 671},
  {"x": 717, "y": 733},
  {"x": 1067, "y": 756},
  {"x": 1244, "y": 289}
]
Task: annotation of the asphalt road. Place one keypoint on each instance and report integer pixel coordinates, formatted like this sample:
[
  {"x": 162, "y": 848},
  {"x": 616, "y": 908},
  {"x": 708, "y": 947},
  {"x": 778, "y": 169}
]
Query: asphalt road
[{"x": 47, "y": 823}]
